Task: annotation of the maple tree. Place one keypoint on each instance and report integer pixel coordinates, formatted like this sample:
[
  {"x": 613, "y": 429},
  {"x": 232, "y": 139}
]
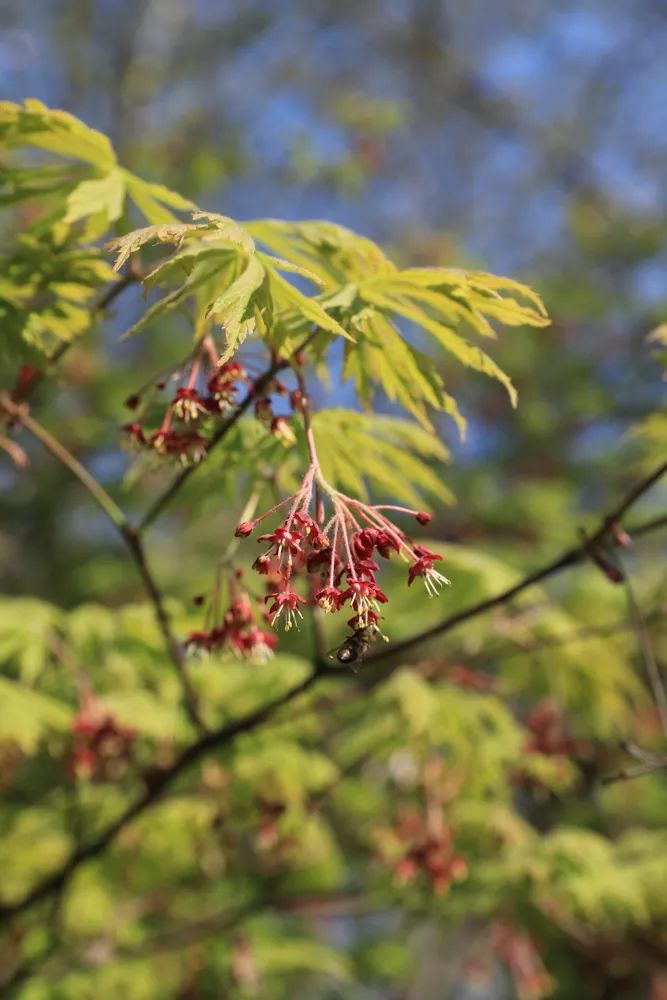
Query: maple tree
[{"x": 175, "y": 820}]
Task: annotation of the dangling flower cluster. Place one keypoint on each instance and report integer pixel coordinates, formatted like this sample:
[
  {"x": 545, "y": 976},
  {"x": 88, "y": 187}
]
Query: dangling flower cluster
[
  {"x": 236, "y": 631},
  {"x": 519, "y": 952},
  {"x": 206, "y": 390},
  {"x": 102, "y": 745},
  {"x": 419, "y": 845},
  {"x": 338, "y": 555},
  {"x": 550, "y": 736},
  {"x": 428, "y": 854},
  {"x": 549, "y": 733}
]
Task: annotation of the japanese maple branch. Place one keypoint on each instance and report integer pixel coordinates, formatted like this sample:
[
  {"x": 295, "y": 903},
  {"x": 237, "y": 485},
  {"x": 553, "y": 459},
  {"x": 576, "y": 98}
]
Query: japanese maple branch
[
  {"x": 653, "y": 674},
  {"x": 224, "y": 736},
  {"x": 175, "y": 649},
  {"x": 24, "y": 388},
  {"x": 18, "y": 412},
  {"x": 278, "y": 364},
  {"x": 156, "y": 785},
  {"x": 571, "y": 557}
]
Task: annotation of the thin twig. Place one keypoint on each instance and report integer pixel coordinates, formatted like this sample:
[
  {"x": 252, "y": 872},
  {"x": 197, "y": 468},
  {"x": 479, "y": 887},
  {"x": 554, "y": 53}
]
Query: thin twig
[
  {"x": 648, "y": 657},
  {"x": 19, "y": 413},
  {"x": 628, "y": 774},
  {"x": 571, "y": 557},
  {"x": 175, "y": 649},
  {"x": 278, "y": 364},
  {"x": 514, "y": 647},
  {"x": 216, "y": 739},
  {"x": 156, "y": 785}
]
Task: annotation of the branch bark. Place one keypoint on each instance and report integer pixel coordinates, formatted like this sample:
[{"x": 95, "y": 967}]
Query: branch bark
[
  {"x": 18, "y": 412},
  {"x": 277, "y": 365},
  {"x": 156, "y": 785},
  {"x": 224, "y": 736},
  {"x": 571, "y": 557}
]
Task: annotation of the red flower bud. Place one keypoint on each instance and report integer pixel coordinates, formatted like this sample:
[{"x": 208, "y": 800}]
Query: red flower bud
[
  {"x": 244, "y": 529},
  {"x": 620, "y": 536},
  {"x": 136, "y": 432},
  {"x": 423, "y": 517},
  {"x": 281, "y": 429},
  {"x": 296, "y": 399},
  {"x": 262, "y": 565}
]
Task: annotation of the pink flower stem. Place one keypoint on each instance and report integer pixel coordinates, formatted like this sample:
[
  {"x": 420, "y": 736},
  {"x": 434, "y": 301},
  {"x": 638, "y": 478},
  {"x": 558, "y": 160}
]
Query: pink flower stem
[
  {"x": 166, "y": 423},
  {"x": 209, "y": 347},
  {"x": 377, "y": 521},
  {"x": 304, "y": 493},
  {"x": 327, "y": 527},
  {"x": 332, "y": 564},
  {"x": 273, "y": 509},
  {"x": 194, "y": 371},
  {"x": 353, "y": 520},
  {"x": 346, "y": 540},
  {"x": 401, "y": 510}
]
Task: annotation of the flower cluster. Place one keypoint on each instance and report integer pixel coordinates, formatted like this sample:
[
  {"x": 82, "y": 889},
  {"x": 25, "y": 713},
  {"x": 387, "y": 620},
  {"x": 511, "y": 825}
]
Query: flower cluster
[
  {"x": 549, "y": 735},
  {"x": 429, "y": 853},
  {"x": 339, "y": 555},
  {"x": 418, "y": 846},
  {"x": 547, "y": 725},
  {"x": 518, "y": 951},
  {"x": 236, "y": 631},
  {"x": 102, "y": 746},
  {"x": 205, "y": 391}
]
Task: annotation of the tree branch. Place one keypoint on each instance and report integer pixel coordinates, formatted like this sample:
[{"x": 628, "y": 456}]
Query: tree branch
[
  {"x": 175, "y": 649},
  {"x": 224, "y": 736},
  {"x": 653, "y": 674},
  {"x": 156, "y": 783},
  {"x": 18, "y": 412},
  {"x": 278, "y": 364},
  {"x": 571, "y": 557},
  {"x": 23, "y": 390}
]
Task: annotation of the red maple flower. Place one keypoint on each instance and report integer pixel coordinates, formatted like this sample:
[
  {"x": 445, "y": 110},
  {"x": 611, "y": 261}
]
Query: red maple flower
[
  {"x": 363, "y": 542},
  {"x": 329, "y": 599},
  {"x": 135, "y": 431},
  {"x": 424, "y": 566},
  {"x": 282, "y": 538},
  {"x": 188, "y": 405},
  {"x": 364, "y": 596},
  {"x": 286, "y": 601}
]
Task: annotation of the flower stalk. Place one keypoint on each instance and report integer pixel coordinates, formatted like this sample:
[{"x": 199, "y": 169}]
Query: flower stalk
[{"x": 337, "y": 556}]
